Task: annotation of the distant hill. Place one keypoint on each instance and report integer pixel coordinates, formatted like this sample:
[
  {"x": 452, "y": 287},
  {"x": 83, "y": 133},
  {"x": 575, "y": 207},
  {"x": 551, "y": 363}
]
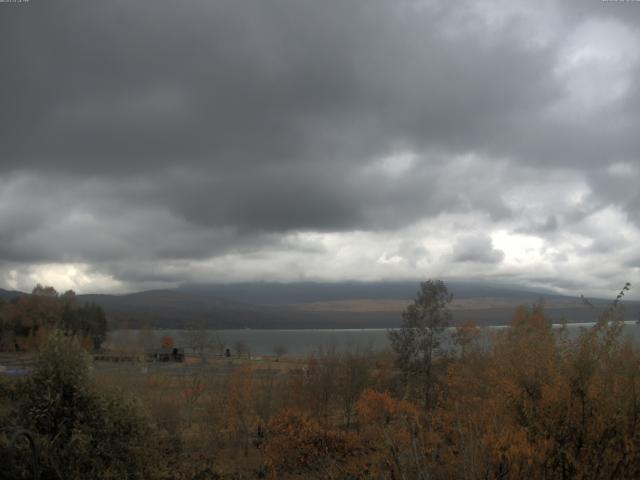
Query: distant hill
[
  {"x": 325, "y": 305},
  {"x": 273, "y": 293},
  {"x": 321, "y": 305},
  {"x": 7, "y": 295}
]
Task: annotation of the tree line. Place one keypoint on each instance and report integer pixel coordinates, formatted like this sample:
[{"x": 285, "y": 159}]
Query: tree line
[{"x": 26, "y": 321}]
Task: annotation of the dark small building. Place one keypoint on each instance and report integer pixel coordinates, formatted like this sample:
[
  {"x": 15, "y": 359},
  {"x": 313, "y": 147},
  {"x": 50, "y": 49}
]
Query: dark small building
[{"x": 169, "y": 355}]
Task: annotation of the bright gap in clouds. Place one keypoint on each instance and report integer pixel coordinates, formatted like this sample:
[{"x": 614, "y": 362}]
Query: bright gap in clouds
[
  {"x": 63, "y": 276},
  {"x": 519, "y": 249}
]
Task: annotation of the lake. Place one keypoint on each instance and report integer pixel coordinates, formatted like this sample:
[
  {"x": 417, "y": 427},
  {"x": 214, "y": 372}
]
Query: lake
[{"x": 303, "y": 342}]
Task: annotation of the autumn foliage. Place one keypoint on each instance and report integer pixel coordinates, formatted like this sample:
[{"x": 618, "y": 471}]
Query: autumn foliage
[
  {"x": 299, "y": 446},
  {"x": 537, "y": 405},
  {"x": 27, "y": 321}
]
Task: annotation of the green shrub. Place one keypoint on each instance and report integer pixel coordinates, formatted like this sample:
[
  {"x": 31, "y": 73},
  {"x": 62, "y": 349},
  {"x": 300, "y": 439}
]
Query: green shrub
[{"x": 82, "y": 432}]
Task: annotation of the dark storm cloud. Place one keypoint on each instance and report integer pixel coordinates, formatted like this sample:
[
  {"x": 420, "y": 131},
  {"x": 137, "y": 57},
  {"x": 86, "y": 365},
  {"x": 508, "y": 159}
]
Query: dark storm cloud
[
  {"x": 124, "y": 87},
  {"x": 476, "y": 249},
  {"x": 154, "y": 130}
]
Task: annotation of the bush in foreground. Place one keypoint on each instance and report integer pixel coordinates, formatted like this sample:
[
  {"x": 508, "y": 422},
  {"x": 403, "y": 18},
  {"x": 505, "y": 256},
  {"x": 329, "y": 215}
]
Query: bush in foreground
[{"x": 80, "y": 431}]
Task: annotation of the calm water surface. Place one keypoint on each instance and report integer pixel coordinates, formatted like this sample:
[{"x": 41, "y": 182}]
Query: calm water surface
[{"x": 304, "y": 342}]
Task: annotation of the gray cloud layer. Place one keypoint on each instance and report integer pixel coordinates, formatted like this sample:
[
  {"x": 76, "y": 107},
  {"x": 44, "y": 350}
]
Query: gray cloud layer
[{"x": 151, "y": 141}]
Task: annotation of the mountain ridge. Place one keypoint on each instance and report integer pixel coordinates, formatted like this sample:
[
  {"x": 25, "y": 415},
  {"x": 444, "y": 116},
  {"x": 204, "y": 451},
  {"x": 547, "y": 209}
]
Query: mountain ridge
[{"x": 318, "y": 305}]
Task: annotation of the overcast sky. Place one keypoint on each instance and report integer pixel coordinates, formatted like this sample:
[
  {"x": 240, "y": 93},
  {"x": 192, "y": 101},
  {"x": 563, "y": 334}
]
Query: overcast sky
[{"x": 147, "y": 143}]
